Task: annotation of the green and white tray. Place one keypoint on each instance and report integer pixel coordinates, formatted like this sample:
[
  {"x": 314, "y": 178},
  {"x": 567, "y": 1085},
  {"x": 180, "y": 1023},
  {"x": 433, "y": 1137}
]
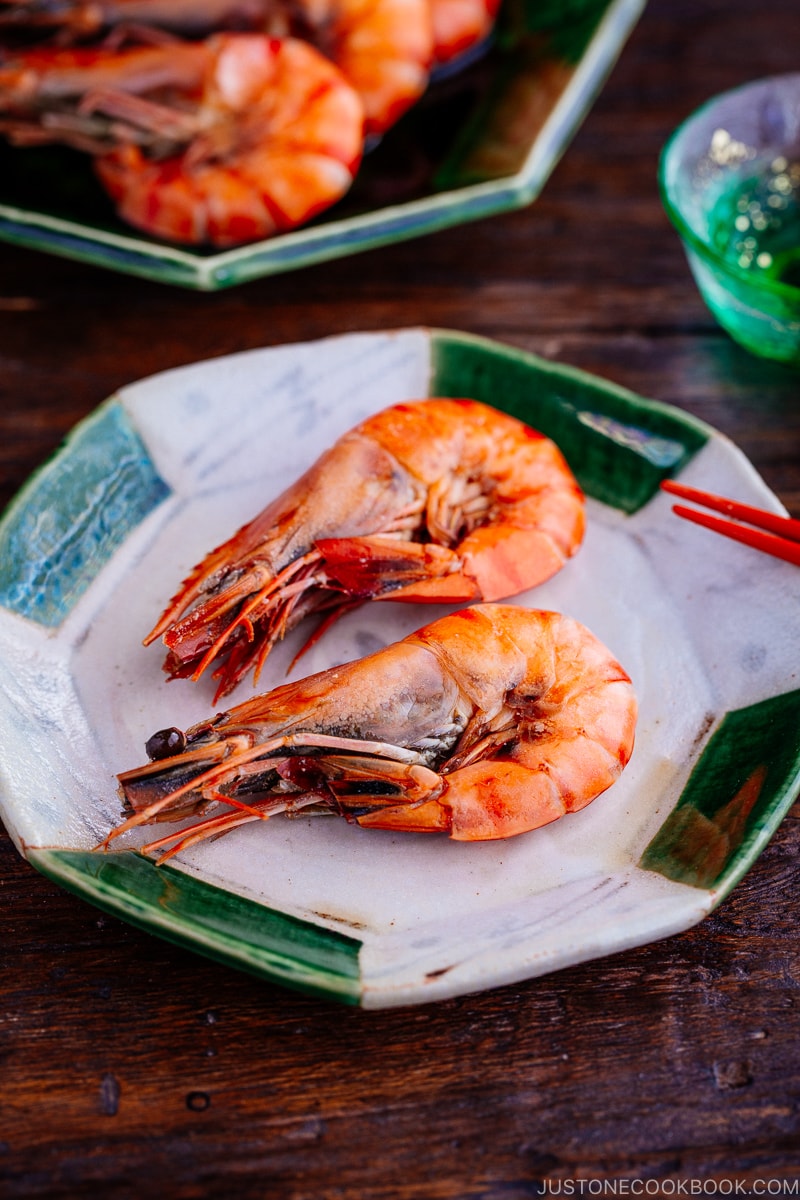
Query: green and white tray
[
  {"x": 479, "y": 143},
  {"x": 98, "y": 539}
]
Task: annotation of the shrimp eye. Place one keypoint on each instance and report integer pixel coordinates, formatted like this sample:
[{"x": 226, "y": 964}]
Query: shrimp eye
[{"x": 165, "y": 743}]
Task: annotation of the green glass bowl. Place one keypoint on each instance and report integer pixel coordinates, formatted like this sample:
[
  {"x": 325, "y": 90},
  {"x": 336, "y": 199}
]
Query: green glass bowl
[{"x": 730, "y": 183}]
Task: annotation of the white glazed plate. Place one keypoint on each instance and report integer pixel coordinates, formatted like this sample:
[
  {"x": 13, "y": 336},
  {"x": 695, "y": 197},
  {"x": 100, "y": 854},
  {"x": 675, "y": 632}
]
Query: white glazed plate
[{"x": 99, "y": 539}]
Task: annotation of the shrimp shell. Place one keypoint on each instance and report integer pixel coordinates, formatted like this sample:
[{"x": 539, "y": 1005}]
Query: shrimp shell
[
  {"x": 384, "y": 48},
  {"x": 485, "y": 724},
  {"x": 221, "y": 142},
  {"x": 439, "y": 500}
]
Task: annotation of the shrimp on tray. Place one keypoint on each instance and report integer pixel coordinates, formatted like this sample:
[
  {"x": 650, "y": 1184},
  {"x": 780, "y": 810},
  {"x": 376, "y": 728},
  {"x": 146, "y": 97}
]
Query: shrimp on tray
[
  {"x": 384, "y": 48},
  {"x": 438, "y": 500},
  {"x": 460, "y": 30},
  {"x": 485, "y": 724},
  {"x": 221, "y": 142}
]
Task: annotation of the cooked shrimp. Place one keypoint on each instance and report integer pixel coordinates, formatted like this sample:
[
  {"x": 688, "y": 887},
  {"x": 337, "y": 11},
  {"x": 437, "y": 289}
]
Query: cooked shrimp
[
  {"x": 485, "y": 724},
  {"x": 383, "y": 47},
  {"x": 432, "y": 501},
  {"x": 223, "y": 141},
  {"x": 460, "y": 26}
]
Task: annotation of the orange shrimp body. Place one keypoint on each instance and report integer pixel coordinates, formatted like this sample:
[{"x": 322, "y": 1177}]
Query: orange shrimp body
[
  {"x": 436, "y": 500},
  {"x": 383, "y": 47},
  {"x": 459, "y": 26},
  {"x": 484, "y": 724},
  {"x": 220, "y": 142}
]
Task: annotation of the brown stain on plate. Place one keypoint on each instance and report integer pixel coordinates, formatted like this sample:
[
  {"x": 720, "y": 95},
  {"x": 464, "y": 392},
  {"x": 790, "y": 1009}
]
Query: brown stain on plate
[{"x": 350, "y": 922}]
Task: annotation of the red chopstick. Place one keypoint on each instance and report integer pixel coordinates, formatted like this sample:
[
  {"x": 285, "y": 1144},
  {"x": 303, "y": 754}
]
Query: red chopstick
[{"x": 783, "y": 540}]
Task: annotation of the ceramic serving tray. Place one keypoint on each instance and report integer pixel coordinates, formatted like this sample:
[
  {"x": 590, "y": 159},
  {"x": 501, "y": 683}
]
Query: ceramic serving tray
[
  {"x": 480, "y": 142},
  {"x": 100, "y": 537}
]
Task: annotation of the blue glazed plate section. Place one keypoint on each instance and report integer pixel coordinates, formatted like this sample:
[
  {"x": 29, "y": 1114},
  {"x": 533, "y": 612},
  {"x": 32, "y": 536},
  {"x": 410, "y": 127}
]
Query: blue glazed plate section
[{"x": 73, "y": 515}]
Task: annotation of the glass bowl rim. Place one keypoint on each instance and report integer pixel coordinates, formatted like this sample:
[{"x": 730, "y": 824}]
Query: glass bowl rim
[{"x": 772, "y": 287}]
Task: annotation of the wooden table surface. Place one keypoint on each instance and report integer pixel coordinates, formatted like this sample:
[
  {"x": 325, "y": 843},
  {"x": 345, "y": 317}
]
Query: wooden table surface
[{"x": 143, "y": 1069}]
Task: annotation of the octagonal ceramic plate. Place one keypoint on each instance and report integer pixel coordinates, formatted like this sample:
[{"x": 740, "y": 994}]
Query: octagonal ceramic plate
[
  {"x": 99, "y": 538},
  {"x": 480, "y": 142}
]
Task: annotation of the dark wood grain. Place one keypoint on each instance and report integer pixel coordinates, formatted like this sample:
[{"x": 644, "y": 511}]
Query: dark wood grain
[{"x": 136, "y": 1068}]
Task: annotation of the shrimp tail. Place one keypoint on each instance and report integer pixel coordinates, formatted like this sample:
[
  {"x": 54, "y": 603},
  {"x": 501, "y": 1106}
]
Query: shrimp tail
[
  {"x": 494, "y": 800},
  {"x": 495, "y": 562},
  {"x": 384, "y": 569}
]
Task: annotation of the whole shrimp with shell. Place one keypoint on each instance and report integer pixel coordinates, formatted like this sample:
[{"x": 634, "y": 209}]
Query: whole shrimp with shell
[
  {"x": 384, "y": 48},
  {"x": 431, "y": 501},
  {"x": 222, "y": 141},
  {"x": 485, "y": 724}
]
